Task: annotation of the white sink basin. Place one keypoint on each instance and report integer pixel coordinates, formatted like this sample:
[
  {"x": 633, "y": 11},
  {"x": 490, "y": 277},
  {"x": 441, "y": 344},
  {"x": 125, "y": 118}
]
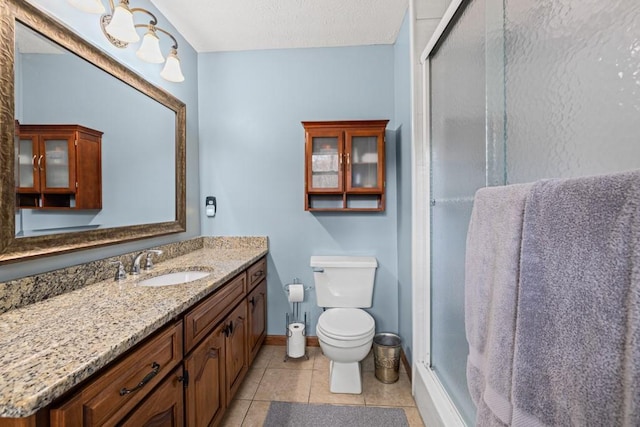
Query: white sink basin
[{"x": 177, "y": 278}]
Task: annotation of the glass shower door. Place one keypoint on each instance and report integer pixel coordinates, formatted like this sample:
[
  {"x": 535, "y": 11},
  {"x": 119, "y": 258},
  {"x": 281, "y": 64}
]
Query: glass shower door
[{"x": 458, "y": 169}]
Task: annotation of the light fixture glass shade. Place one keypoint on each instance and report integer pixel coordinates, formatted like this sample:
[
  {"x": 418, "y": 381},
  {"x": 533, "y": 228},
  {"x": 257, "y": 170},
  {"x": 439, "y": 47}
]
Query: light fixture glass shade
[
  {"x": 149, "y": 50},
  {"x": 171, "y": 70},
  {"x": 121, "y": 26},
  {"x": 89, "y": 6}
]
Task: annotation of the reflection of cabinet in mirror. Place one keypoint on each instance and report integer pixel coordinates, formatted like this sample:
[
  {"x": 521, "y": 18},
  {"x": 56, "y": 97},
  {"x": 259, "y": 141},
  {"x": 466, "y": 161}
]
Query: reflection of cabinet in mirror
[
  {"x": 58, "y": 166},
  {"x": 345, "y": 165}
]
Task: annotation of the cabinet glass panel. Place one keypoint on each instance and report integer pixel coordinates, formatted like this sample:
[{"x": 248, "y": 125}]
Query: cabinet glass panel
[
  {"x": 57, "y": 163},
  {"x": 26, "y": 164},
  {"x": 364, "y": 161},
  {"x": 324, "y": 162}
]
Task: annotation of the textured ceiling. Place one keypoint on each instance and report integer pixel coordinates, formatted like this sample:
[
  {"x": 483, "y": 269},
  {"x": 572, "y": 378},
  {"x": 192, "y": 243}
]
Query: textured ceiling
[{"x": 226, "y": 25}]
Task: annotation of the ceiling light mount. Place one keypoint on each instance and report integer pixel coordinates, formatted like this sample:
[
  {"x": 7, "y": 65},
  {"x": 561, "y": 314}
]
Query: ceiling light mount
[{"x": 120, "y": 30}]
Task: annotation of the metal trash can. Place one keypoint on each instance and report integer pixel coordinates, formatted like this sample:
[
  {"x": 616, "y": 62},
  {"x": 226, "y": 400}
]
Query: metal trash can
[{"x": 386, "y": 355}]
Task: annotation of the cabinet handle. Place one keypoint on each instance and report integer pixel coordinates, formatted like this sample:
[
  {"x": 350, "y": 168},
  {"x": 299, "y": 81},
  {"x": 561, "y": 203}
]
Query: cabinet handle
[
  {"x": 348, "y": 161},
  {"x": 155, "y": 369},
  {"x": 39, "y": 162},
  {"x": 253, "y": 301},
  {"x": 184, "y": 379},
  {"x": 33, "y": 161},
  {"x": 228, "y": 329},
  {"x": 258, "y": 273}
]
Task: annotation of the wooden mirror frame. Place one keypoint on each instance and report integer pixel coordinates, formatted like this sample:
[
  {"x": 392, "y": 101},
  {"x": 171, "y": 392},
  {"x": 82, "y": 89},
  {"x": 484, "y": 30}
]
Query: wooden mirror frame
[{"x": 13, "y": 249}]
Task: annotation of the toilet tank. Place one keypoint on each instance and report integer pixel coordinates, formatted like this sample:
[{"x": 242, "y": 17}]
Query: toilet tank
[{"x": 344, "y": 281}]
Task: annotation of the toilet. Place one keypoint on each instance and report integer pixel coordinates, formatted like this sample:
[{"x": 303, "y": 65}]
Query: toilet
[{"x": 344, "y": 286}]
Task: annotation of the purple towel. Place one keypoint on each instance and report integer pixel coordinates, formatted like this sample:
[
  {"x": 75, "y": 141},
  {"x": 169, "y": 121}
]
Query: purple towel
[
  {"x": 577, "y": 349},
  {"x": 491, "y": 289}
]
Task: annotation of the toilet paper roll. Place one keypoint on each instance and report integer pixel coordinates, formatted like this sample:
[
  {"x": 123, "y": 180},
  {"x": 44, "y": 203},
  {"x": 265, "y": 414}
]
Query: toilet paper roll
[
  {"x": 296, "y": 293},
  {"x": 296, "y": 341}
]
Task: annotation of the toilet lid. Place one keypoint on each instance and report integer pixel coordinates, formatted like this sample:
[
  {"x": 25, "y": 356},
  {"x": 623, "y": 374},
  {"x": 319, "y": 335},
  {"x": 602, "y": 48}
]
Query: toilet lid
[{"x": 346, "y": 322}]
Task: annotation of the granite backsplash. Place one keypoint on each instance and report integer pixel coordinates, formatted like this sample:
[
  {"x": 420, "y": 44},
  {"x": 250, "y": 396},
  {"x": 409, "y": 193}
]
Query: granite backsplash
[{"x": 31, "y": 289}]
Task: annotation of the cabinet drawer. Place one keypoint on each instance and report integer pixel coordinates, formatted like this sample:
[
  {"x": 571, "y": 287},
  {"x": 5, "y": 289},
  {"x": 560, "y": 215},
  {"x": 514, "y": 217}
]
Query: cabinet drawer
[
  {"x": 257, "y": 272},
  {"x": 108, "y": 398},
  {"x": 204, "y": 317},
  {"x": 164, "y": 407}
]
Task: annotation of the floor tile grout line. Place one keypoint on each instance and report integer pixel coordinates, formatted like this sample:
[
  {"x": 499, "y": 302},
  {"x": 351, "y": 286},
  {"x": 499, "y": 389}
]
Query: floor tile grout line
[{"x": 315, "y": 363}]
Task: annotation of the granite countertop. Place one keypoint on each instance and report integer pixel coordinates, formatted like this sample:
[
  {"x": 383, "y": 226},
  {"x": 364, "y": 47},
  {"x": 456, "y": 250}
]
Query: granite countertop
[{"x": 50, "y": 346}]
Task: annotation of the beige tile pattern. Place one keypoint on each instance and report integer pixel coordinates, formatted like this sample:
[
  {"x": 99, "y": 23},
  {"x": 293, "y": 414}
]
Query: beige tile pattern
[
  {"x": 307, "y": 381},
  {"x": 256, "y": 415},
  {"x": 250, "y": 384},
  {"x": 237, "y": 412},
  {"x": 285, "y": 385}
]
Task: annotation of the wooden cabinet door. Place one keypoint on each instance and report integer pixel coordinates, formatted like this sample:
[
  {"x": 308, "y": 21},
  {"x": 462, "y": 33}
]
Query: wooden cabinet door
[
  {"x": 205, "y": 391},
  {"x": 58, "y": 162},
  {"x": 257, "y": 310},
  {"x": 324, "y": 157},
  {"x": 88, "y": 170},
  {"x": 162, "y": 408},
  {"x": 27, "y": 158},
  {"x": 364, "y": 160},
  {"x": 235, "y": 328}
]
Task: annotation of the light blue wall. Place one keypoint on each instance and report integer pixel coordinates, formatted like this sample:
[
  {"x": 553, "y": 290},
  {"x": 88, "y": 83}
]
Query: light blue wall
[
  {"x": 124, "y": 115},
  {"x": 248, "y": 151},
  {"x": 88, "y": 27},
  {"x": 252, "y": 160}
]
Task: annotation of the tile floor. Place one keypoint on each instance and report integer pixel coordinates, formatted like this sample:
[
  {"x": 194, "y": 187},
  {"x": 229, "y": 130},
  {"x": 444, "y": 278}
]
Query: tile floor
[{"x": 307, "y": 381}]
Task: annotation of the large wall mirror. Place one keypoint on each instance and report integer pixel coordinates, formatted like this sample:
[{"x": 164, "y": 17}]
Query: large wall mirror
[{"x": 51, "y": 76}]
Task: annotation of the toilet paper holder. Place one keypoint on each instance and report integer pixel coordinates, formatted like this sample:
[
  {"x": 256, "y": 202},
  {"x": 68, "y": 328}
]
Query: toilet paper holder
[
  {"x": 293, "y": 350},
  {"x": 295, "y": 305},
  {"x": 290, "y": 338},
  {"x": 295, "y": 282}
]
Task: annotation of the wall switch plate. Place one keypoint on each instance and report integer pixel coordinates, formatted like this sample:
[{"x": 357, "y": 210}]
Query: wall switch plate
[{"x": 210, "y": 206}]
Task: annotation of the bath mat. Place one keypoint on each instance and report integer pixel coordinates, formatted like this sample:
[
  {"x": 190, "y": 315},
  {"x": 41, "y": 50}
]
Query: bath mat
[{"x": 283, "y": 414}]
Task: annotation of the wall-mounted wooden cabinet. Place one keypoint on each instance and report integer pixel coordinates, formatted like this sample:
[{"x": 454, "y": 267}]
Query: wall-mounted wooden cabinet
[
  {"x": 58, "y": 167},
  {"x": 345, "y": 165}
]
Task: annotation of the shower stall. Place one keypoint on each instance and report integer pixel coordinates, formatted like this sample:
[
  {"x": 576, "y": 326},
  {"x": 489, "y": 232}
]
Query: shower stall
[{"x": 514, "y": 91}]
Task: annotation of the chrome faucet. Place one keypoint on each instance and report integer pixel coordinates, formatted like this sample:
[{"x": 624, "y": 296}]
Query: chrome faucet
[
  {"x": 120, "y": 273},
  {"x": 135, "y": 269}
]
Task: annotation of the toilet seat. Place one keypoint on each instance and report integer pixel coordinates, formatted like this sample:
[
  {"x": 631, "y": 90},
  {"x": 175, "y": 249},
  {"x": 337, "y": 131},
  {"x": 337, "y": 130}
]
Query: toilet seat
[{"x": 346, "y": 324}]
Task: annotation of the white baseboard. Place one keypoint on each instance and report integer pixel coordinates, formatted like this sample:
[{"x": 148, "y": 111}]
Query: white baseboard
[{"x": 432, "y": 400}]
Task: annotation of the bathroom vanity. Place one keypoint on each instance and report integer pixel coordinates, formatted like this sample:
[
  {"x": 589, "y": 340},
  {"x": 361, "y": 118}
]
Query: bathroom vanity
[{"x": 120, "y": 353}]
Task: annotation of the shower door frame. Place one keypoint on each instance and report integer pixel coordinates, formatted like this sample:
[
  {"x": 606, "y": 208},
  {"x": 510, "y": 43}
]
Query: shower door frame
[{"x": 432, "y": 400}]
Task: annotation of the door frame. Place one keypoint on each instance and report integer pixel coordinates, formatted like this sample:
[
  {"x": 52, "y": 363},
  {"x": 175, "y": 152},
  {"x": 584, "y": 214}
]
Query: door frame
[{"x": 433, "y": 402}]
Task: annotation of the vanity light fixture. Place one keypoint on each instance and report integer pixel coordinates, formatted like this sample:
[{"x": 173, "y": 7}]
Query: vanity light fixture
[
  {"x": 119, "y": 28},
  {"x": 121, "y": 25}
]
